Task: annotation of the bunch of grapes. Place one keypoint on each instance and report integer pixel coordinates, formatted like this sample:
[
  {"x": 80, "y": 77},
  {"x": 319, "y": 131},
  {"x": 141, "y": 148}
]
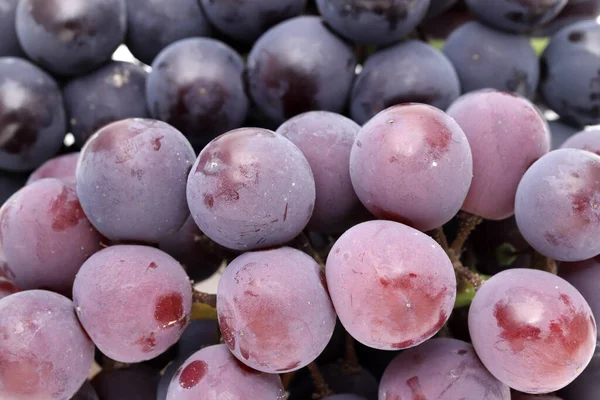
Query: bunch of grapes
[{"x": 292, "y": 199}]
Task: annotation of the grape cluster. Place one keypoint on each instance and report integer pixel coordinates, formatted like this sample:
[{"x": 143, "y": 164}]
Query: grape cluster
[{"x": 299, "y": 199}]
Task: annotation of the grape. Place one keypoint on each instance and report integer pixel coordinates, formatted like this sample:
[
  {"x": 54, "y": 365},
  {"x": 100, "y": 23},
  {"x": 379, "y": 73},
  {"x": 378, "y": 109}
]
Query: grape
[
  {"x": 373, "y": 22},
  {"x": 44, "y": 352},
  {"x": 586, "y": 140},
  {"x": 569, "y": 73},
  {"x": 213, "y": 373},
  {"x": 32, "y": 117},
  {"x": 60, "y": 167},
  {"x": 131, "y": 179},
  {"x": 251, "y": 188},
  {"x": 196, "y": 86},
  {"x": 506, "y": 135},
  {"x": 585, "y": 277},
  {"x": 444, "y": 369},
  {"x": 142, "y": 321},
  {"x": 298, "y": 66},
  {"x": 408, "y": 72},
  {"x": 557, "y": 205},
  {"x": 392, "y": 286},
  {"x": 587, "y": 385},
  {"x": 532, "y": 330},
  {"x": 574, "y": 11},
  {"x": 86, "y": 392},
  {"x": 196, "y": 335},
  {"x": 412, "y": 163},
  {"x": 167, "y": 376},
  {"x": 187, "y": 246},
  {"x": 524, "y": 396},
  {"x": 10, "y": 183},
  {"x": 45, "y": 236},
  {"x": 70, "y": 37},
  {"x": 560, "y": 132},
  {"x": 137, "y": 382},
  {"x": 113, "y": 92},
  {"x": 152, "y": 25},
  {"x": 486, "y": 58},
  {"x": 9, "y": 45},
  {"x": 326, "y": 139},
  {"x": 274, "y": 312},
  {"x": 246, "y": 20},
  {"x": 516, "y": 16},
  {"x": 437, "y": 7}
]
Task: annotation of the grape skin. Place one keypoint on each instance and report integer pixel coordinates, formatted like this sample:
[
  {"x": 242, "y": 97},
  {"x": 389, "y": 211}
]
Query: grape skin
[
  {"x": 251, "y": 188},
  {"x": 246, "y": 20},
  {"x": 213, "y": 373},
  {"x": 46, "y": 217},
  {"x": 298, "y": 66},
  {"x": 274, "y": 311},
  {"x": 487, "y": 58},
  {"x": 113, "y": 92},
  {"x": 532, "y": 330},
  {"x": 86, "y": 392},
  {"x": 392, "y": 286},
  {"x": 153, "y": 25},
  {"x": 506, "y": 135},
  {"x": 31, "y": 114},
  {"x": 557, "y": 205},
  {"x": 516, "y": 16},
  {"x": 586, "y": 140},
  {"x": 196, "y": 85},
  {"x": 412, "y": 164},
  {"x": 137, "y": 382},
  {"x": 143, "y": 321},
  {"x": 569, "y": 73},
  {"x": 44, "y": 352},
  {"x": 444, "y": 369},
  {"x": 326, "y": 139},
  {"x": 131, "y": 179},
  {"x": 585, "y": 277},
  {"x": 376, "y": 22},
  {"x": 437, "y": 7},
  {"x": 70, "y": 37},
  {"x": 9, "y": 45},
  {"x": 60, "y": 167}
]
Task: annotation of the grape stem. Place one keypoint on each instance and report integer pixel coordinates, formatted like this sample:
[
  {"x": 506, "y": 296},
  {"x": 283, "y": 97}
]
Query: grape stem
[
  {"x": 286, "y": 379},
  {"x": 322, "y": 387},
  {"x": 468, "y": 223},
  {"x": 110, "y": 364},
  {"x": 543, "y": 263},
  {"x": 204, "y": 298},
  {"x": 351, "y": 364}
]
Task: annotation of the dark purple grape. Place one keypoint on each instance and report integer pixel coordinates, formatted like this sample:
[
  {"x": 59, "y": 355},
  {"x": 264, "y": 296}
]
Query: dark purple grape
[
  {"x": 9, "y": 44},
  {"x": 167, "y": 376},
  {"x": 196, "y": 86},
  {"x": 359, "y": 383},
  {"x": 60, "y": 167},
  {"x": 487, "y": 58},
  {"x": 133, "y": 301},
  {"x": 441, "y": 369},
  {"x": 376, "y": 22},
  {"x": 197, "y": 334},
  {"x": 152, "y": 25},
  {"x": 246, "y": 20},
  {"x": 532, "y": 330},
  {"x": 437, "y": 7},
  {"x": 10, "y": 182},
  {"x": 516, "y": 15},
  {"x": 113, "y": 92},
  {"x": 32, "y": 117},
  {"x": 131, "y": 180},
  {"x": 251, "y": 188},
  {"x": 585, "y": 277},
  {"x": 44, "y": 352},
  {"x": 412, "y": 163},
  {"x": 213, "y": 373},
  {"x": 574, "y": 11},
  {"x": 86, "y": 392},
  {"x": 70, "y": 37},
  {"x": 557, "y": 205},
  {"x": 274, "y": 311},
  {"x": 188, "y": 246},
  {"x": 326, "y": 139},
  {"x": 137, "y": 382},
  {"x": 45, "y": 235},
  {"x": 411, "y": 71},
  {"x": 560, "y": 132},
  {"x": 570, "y": 73},
  {"x": 298, "y": 66}
]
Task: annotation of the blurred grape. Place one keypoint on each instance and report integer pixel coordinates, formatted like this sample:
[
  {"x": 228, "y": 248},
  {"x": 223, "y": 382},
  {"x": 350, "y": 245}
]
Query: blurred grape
[
  {"x": 136, "y": 382},
  {"x": 60, "y": 167}
]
